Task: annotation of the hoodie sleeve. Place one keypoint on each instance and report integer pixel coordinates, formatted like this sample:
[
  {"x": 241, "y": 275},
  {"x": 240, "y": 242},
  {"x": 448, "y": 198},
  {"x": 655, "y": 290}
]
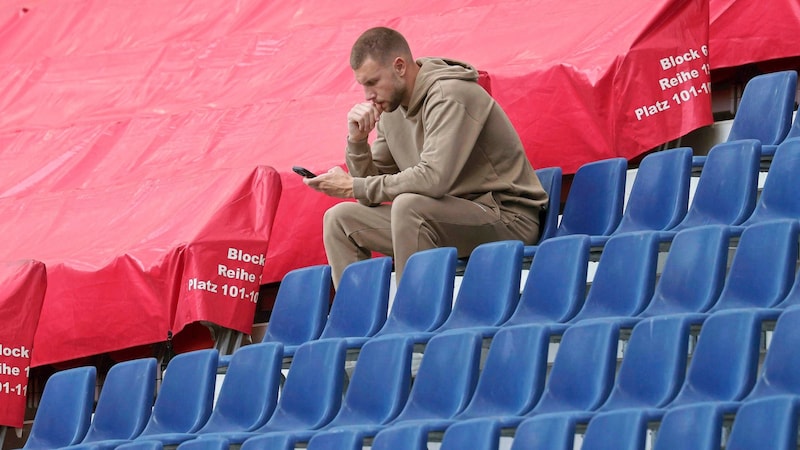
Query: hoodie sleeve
[
  {"x": 364, "y": 160},
  {"x": 451, "y": 131}
]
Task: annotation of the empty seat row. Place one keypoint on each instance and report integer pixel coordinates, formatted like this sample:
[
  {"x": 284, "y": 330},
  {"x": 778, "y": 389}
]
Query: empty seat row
[
  {"x": 726, "y": 193},
  {"x": 450, "y": 386}
]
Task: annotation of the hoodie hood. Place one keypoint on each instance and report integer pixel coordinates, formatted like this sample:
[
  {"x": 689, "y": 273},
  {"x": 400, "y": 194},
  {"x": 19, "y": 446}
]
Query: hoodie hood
[{"x": 433, "y": 70}]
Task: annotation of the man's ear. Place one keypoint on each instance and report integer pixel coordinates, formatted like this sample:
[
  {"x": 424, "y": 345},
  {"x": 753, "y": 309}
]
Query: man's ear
[{"x": 399, "y": 66}]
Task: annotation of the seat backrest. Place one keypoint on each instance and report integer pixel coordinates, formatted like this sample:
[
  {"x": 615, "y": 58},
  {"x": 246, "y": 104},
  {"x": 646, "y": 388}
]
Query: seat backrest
[
  {"x": 694, "y": 272},
  {"x": 301, "y": 306},
  {"x": 780, "y": 373},
  {"x": 724, "y": 364},
  {"x": 617, "y": 430},
  {"x": 474, "y": 435},
  {"x": 726, "y": 189},
  {"x": 583, "y": 370},
  {"x": 209, "y": 443},
  {"x": 424, "y": 294},
  {"x": 545, "y": 432},
  {"x": 123, "y": 407},
  {"x": 361, "y": 302},
  {"x": 335, "y": 439},
  {"x": 659, "y": 196},
  {"x": 186, "y": 396},
  {"x": 249, "y": 391},
  {"x": 379, "y": 385},
  {"x": 625, "y": 279},
  {"x": 763, "y": 267},
  {"x": 446, "y": 377},
  {"x": 595, "y": 199},
  {"x": 697, "y": 426},
  {"x": 653, "y": 364},
  {"x": 65, "y": 409},
  {"x": 765, "y": 111},
  {"x": 513, "y": 373},
  {"x": 778, "y": 199},
  {"x": 489, "y": 290},
  {"x": 550, "y": 177},
  {"x": 556, "y": 285},
  {"x": 766, "y": 423},
  {"x": 312, "y": 393}
]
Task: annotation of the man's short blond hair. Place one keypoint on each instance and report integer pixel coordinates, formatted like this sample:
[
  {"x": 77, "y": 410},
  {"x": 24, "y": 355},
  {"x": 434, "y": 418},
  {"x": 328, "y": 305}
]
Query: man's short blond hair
[{"x": 380, "y": 44}]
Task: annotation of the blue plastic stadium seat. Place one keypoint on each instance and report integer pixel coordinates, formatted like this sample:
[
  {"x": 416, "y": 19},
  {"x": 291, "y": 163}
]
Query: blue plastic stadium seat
[
  {"x": 550, "y": 177},
  {"x": 763, "y": 267},
  {"x": 780, "y": 373},
  {"x": 582, "y": 373},
  {"x": 424, "y": 295},
  {"x": 766, "y": 423},
  {"x": 726, "y": 189},
  {"x": 653, "y": 364},
  {"x": 126, "y": 398},
  {"x": 619, "y": 430},
  {"x": 443, "y": 386},
  {"x": 186, "y": 396},
  {"x": 311, "y": 395},
  {"x": 205, "y": 444},
  {"x": 483, "y": 435},
  {"x": 779, "y": 199},
  {"x": 247, "y": 396},
  {"x": 694, "y": 272},
  {"x": 376, "y": 393},
  {"x": 301, "y": 306},
  {"x": 765, "y": 111},
  {"x": 360, "y": 304},
  {"x": 183, "y": 404},
  {"x": 595, "y": 200},
  {"x": 724, "y": 364},
  {"x": 65, "y": 409},
  {"x": 489, "y": 290},
  {"x": 555, "y": 288},
  {"x": 545, "y": 432},
  {"x": 695, "y": 426},
  {"x": 513, "y": 374},
  {"x": 339, "y": 439},
  {"x": 625, "y": 279},
  {"x": 659, "y": 196}
]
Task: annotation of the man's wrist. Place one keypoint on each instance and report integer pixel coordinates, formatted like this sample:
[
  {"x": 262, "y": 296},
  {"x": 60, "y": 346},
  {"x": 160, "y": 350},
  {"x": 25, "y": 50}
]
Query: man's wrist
[{"x": 357, "y": 141}]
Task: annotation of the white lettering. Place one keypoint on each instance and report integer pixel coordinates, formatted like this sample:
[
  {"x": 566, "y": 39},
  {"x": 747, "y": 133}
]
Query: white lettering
[
  {"x": 201, "y": 285},
  {"x": 235, "y": 254},
  {"x": 235, "y": 274},
  {"x": 677, "y": 60},
  {"x": 16, "y": 352},
  {"x": 650, "y": 110},
  {"x": 679, "y": 78}
]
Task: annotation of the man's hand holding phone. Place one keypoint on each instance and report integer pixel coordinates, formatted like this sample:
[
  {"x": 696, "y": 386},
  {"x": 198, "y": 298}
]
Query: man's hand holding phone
[{"x": 335, "y": 182}]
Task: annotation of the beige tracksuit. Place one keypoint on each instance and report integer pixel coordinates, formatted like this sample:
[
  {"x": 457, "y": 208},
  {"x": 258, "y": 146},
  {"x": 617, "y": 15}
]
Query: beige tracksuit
[{"x": 453, "y": 168}]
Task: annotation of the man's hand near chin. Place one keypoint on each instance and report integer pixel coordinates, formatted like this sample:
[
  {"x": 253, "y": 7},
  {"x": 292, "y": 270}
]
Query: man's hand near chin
[{"x": 335, "y": 182}]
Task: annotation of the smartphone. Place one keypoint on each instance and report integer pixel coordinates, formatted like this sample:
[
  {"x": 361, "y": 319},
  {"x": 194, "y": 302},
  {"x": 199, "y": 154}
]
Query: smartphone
[{"x": 303, "y": 172}]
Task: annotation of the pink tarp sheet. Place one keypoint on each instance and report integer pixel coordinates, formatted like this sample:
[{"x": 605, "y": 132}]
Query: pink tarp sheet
[
  {"x": 23, "y": 289},
  {"x": 137, "y": 138},
  {"x": 743, "y": 31}
]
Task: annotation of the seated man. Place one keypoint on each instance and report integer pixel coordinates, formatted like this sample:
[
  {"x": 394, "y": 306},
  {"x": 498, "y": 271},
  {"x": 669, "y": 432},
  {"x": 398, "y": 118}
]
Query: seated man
[{"x": 446, "y": 157}]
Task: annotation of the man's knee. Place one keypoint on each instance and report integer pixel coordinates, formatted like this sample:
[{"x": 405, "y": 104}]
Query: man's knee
[
  {"x": 337, "y": 213},
  {"x": 407, "y": 204}
]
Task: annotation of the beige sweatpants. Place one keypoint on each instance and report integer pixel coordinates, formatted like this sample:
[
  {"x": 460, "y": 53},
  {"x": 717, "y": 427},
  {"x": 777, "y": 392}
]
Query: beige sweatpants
[{"x": 414, "y": 222}]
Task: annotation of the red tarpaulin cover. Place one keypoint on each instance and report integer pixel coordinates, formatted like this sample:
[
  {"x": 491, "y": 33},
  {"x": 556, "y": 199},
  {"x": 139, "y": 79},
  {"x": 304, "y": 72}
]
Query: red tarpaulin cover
[
  {"x": 743, "y": 32},
  {"x": 136, "y": 138},
  {"x": 23, "y": 285}
]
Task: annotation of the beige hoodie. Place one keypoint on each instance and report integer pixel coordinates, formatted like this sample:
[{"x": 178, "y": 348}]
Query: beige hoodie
[{"x": 453, "y": 139}]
